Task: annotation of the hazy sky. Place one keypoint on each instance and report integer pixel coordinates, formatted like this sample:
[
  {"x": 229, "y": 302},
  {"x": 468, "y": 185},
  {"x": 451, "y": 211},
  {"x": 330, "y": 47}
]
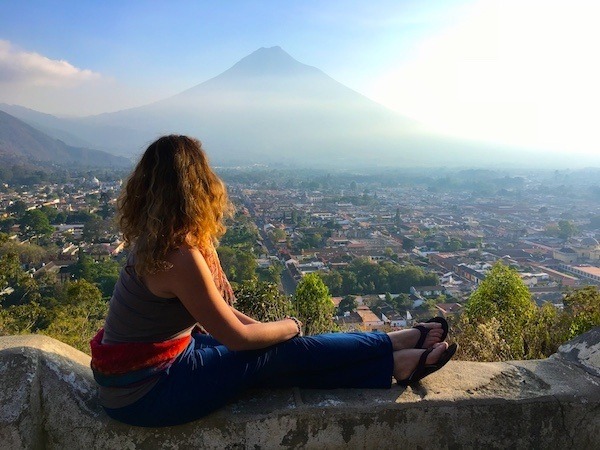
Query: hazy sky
[{"x": 523, "y": 72}]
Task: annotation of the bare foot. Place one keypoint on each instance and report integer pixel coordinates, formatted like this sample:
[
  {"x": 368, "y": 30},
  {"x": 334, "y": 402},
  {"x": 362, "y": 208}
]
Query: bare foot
[
  {"x": 408, "y": 338},
  {"x": 405, "y": 361}
]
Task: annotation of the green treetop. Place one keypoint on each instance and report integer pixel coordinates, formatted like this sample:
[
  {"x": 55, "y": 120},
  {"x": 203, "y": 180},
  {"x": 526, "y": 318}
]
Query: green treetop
[
  {"x": 262, "y": 301},
  {"x": 314, "y": 305},
  {"x": 35, "y": 223},
  {"x": 583, "y": 305},
  {"x": 348, "y": 304},
  {"x": 503, "y": 296}
]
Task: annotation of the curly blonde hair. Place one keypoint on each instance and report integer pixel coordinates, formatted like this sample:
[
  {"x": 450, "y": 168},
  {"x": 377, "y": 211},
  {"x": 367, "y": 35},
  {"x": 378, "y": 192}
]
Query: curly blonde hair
[{"x": 172, "y": 198}]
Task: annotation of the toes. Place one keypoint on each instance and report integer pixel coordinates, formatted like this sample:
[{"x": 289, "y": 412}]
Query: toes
[
  {"x": 434, "y": 336},
  {"x": 438, "y": 350}
]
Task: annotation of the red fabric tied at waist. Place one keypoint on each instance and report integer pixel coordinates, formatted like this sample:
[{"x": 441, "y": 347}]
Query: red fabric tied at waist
[{"x": 113, "y": 359}]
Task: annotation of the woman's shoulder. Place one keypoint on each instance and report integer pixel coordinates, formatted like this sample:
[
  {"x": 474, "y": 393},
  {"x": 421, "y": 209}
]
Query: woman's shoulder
[
  {"x": 179, "y": 271},
  {"x": 188, "y": 272},
  {"x": 184, "y": 254},
  {"x": 185, "y": 259}
]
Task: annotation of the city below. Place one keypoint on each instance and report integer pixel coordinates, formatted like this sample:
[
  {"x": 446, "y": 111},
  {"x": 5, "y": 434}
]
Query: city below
[{"x": 451, "y": 226}]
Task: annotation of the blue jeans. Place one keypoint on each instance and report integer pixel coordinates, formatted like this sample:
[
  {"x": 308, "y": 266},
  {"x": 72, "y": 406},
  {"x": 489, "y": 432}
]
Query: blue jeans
[{"x": 207, "y": 375}]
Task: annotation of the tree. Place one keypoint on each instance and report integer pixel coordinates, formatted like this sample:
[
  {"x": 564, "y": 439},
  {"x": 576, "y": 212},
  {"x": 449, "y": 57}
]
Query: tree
[
  {"x": 313, "y": 304},
  {"x": 84, "y": 268},
  {"x": 503, "y": 296},
  {"x": 92, "y": 200},
  {"x": 546, "y": 331},
  {"x": 17, "y": 208},
  {"x": 397, "y": 217},
  {"x": 243, "y": 233},
  {"x": 363, "y": 276},
  {"x": 552, "y": 230},
  {"x": 278, "y": 234},
  {"x": 429, "y": 306},
  {"x": 271, "y": 274},
  {"x": 102, "y": 274},
  {"x": 347, "y": 304},
  {"x": 566, "y": 229},
  {"x": 403, "y": 302},
  {"x": 84, "y": 295},
  {"x": 453, "y": 245},
  {"x": 106, "y": 210},
  {"x": 26, "y": 318},
  {"x": 35, "y": 223},
  {"x": 61, "y": 217},
  {"x": 107, "y": 274},
  {"x": 80, "y": 216},
  {"x": 239, "y": 264},
  {"x": 28, "y": 253},
  {"x": 595, "y": 219},
  {"x": 583, "y": 305},
  {"x": 481, "y": 341},
  {"x": 80, "y": 314},
  {"x": 51, "y": 213},
  {"x": 16, "y": 286},
  {"x": 407, "y": 244},
  {"x": 7, "y": 224},
  {"x": 93, "y": 229},
  {"x": 333, "y": 281},
  {"x": 311, "y": 239},
  {"x": 261, "y": 301},
  {"x": 542, "y": 334}
]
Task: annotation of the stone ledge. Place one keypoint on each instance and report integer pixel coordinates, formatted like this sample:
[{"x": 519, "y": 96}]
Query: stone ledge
[{"x": 48, "y": 400}]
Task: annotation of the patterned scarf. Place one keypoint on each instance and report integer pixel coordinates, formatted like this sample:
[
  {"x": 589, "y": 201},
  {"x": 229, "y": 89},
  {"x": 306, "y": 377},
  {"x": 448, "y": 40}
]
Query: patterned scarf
[{"x": 212, "y": 260}]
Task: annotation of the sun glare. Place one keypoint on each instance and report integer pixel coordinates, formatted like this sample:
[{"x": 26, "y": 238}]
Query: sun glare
[{"x": 512, "y": 72}]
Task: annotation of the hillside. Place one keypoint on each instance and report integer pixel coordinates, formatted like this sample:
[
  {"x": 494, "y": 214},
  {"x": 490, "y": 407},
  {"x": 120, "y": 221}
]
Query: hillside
[{"x": 20, "y": 142}]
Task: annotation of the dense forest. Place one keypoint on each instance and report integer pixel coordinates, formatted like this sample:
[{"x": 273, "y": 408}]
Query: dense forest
[{"x": 363, "y": 276}]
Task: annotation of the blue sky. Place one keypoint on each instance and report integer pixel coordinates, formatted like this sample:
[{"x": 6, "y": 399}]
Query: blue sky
[
  {"x": 182, "y": 43},
  {"x": 515, "y": 71}
]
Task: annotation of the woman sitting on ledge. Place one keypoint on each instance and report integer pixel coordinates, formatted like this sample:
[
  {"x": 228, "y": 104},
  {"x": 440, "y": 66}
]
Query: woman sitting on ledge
[{"x": 152, "y": 366}]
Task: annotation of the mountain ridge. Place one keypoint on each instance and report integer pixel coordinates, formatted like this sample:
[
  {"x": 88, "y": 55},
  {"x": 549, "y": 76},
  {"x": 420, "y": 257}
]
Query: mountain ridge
[
  {"x": 20, "y": 141},
  {"x": 270, "y": 108},
  {"x": 269, "y": 60}
]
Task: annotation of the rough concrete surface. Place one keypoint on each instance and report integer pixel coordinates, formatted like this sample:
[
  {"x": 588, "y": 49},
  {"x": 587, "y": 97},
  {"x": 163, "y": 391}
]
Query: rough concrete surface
[{"x": 48, "y": 400}]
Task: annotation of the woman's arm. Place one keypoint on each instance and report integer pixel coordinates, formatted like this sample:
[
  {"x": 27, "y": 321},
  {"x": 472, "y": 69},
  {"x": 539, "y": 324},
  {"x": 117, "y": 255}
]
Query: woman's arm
[
  {"x": 246, "y": 320},
  {"x": 191, "y": 281}
]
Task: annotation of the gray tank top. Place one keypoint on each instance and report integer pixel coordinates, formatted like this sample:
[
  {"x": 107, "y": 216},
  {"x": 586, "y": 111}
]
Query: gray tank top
[{"x": 137, "y": 315}]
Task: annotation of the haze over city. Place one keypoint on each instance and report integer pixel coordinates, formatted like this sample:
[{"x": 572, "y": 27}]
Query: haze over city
[{"x": 486, "y": 76}]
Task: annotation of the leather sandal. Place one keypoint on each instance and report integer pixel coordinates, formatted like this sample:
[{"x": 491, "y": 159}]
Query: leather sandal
[{"x": 422, "y": 370}]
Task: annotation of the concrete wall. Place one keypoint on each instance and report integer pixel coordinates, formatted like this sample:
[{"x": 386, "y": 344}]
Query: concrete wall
[{"x": 48, "y": 400}]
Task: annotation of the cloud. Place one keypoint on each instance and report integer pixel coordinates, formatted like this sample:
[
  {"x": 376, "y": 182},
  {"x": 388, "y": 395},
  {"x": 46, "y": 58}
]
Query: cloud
[{"x": 30, "y": 68}]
